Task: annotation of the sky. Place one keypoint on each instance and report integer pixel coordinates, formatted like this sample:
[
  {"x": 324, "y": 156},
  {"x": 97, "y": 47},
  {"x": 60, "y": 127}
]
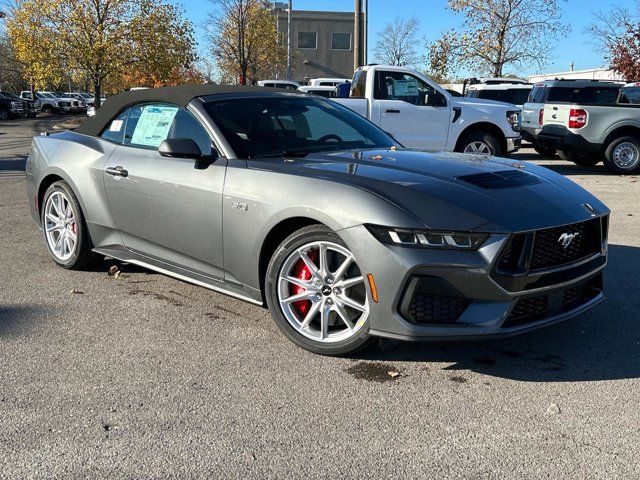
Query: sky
[{"x": 575, "y": 45}]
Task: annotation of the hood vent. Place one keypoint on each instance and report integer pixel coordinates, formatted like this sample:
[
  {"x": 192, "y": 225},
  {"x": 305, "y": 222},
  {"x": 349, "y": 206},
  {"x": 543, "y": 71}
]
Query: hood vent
[{"x": 502, "y": 179}]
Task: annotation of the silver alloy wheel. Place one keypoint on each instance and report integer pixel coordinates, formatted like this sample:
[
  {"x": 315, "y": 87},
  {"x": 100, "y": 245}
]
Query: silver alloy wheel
[
  {"x": 626, "y": 155},
  {"x": 478, "y": 148},
  {"x": 335, "y": 294},
  {"x": 60, "y": 226}
]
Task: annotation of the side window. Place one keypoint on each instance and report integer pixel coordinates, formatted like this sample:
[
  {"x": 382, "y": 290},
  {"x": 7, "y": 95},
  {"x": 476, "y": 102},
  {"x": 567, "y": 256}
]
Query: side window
[
  {"x": 149, "y": 125},
  {"x": 402, "y": 86},
  {"x": 115, "y": 129},
  {"x": 186, "y": 126},
  {"x": 359, "y": 85}
]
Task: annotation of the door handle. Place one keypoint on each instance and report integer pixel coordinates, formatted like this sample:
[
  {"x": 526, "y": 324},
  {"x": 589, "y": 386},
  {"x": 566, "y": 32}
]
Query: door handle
[
  {"x": 117, "y": 171},
  {"x": 392, "y": 111}
]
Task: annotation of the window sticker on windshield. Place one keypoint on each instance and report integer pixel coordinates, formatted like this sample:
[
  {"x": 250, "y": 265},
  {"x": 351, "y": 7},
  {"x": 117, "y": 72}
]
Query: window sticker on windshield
[
  {"x": 116, "y": 126},
  {"x": 154, "y": 125}
]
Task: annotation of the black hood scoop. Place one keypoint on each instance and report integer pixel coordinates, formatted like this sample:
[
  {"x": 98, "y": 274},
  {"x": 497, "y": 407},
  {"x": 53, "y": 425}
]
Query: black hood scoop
[{"x": 501, "y": 179}]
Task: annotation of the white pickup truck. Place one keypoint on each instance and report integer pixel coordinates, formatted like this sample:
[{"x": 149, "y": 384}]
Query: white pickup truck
[{"x": 421, "y": 114}]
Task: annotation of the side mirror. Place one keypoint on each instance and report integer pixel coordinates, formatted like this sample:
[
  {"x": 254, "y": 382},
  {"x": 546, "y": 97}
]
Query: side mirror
[
  {"x": 180, "y": 148},
  {"x": 435, "y": 99}
]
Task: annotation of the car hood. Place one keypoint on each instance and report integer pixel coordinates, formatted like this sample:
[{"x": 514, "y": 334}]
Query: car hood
[{"x": 450, "y": 190}]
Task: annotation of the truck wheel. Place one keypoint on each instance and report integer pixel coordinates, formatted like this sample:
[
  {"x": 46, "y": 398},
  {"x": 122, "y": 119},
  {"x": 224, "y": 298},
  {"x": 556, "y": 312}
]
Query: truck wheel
[
  {"x": 4, "y": 114},
  {"x": 544, "y": 151},
  {"x": 580, "y": 158},
  {"x": 622, "y": 156},
  {"x": 47, "y": 109},
  {"x": 481, "y": 143}
]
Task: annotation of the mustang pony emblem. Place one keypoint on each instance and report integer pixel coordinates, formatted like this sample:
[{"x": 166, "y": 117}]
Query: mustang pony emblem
[{"x": 567, "y": 238}]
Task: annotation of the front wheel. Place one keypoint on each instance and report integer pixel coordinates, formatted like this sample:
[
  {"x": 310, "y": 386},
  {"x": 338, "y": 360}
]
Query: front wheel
[
  {"x": 581, "y": 159},
  {"x": 479, "y": 143},
  {"x": 65, "y": 230},
  {"x": 622, "y": 156},
  {"x": 316, "y": 293}
]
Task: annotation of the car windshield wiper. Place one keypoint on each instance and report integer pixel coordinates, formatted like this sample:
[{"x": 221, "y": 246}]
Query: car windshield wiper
[{"x": 284, "y": 154}]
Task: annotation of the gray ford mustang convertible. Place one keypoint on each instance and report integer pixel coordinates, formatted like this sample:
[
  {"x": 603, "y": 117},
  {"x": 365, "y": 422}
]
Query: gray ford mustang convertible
[{"x": 298, "y": 203}]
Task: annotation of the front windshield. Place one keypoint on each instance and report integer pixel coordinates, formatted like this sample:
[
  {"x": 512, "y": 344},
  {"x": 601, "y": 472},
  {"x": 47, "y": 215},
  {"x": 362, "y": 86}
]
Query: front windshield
[{"x": 279, "y": 126}]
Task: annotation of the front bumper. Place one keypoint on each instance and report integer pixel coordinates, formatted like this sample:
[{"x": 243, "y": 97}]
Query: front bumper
[{"x": 482, "y": 307}]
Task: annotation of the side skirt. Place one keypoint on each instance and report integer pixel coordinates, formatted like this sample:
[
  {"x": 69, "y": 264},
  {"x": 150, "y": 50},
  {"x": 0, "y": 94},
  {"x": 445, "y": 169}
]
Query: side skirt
[{"x": 125, "y": 255}]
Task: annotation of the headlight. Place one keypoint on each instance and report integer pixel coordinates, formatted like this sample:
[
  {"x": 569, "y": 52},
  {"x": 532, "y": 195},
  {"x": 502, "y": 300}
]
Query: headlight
[
  {"x": 57, "y": 104},
  {"x": 15, "y": 104},
  {"x": 513, "y": 117},
  {"x": 427, "y": 238}
]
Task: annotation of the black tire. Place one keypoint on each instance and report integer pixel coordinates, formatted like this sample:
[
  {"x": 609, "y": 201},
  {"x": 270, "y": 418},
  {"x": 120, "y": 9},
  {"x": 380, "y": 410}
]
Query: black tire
[
  {"x": 480, "y": 137},
  {"x": 581, "y": 159},
  {"x": 614, "y": 162},
  {"x": 47, "y": 108},
  {"x": 4, "y": 114},
  {"x": 544, "y": 151},
  {"x": 82, "y": 256},
  {"x": 306, "y": 235}
]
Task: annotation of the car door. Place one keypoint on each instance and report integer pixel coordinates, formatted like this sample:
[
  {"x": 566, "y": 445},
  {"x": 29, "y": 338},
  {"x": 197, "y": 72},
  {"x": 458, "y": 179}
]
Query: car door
[
  {"x": 169, "y": 209},
  {"x": 411, "y": 110}
]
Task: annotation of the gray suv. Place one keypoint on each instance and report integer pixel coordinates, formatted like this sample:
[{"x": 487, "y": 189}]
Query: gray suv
[{"x": 564, "y": 92}]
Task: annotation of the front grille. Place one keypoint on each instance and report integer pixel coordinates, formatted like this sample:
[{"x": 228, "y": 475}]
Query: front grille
[
  {"x": 549, "y": 251},
  {"x": 427, "y": 308},
  {"x": 532, "y": 309},
  {"x": 501, "y": 179}
]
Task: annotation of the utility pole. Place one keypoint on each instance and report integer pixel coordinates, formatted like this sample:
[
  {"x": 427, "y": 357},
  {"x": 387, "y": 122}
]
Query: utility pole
[
  {"x": 366, "y": 33},
  {"x": 289, "y": 40},
  {"x": 357, "y": 35}
]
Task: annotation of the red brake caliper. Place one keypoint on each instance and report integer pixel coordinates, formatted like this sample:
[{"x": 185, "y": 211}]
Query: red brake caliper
[{"x": 302, "y": 271}]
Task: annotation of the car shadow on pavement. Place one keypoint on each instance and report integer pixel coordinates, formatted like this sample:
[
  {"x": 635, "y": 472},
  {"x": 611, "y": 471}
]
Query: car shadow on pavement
[
  {"x": 17, "y": 320},
  {"x": 603, "y": 344}
]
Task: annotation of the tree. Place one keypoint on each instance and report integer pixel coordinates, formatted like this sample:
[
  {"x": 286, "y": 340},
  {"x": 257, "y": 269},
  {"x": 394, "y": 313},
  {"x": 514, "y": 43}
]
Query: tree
[
  {"x": 497, "y": 34},
  {"x": 244, "y": 40},
  {"x": 396, "y": 44},
  {"x": 121, "y": 42},
  {"x": 617, "y": 36},
  {"x": 625, "y": 58}
]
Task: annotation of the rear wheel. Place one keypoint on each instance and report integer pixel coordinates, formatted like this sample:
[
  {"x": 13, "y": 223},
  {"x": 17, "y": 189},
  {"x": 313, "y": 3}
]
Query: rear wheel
[
  {"x": 580, "y": 158},
  {"x": 316, "y": 293},
  {"x": 479, "y": 143},
  {"x": 622, "y": 156},
  {"x": 65, "y": 230},
  {"x": 4, "y": 114}
]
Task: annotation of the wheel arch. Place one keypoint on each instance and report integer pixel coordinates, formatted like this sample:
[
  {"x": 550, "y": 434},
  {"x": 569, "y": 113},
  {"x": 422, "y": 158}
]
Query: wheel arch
[
  {"x": 487, "y": 127},
  {"x": 49, "y": 179},
  {"x": 632, "y": 130},
  {"x": 274, "y": 237}
]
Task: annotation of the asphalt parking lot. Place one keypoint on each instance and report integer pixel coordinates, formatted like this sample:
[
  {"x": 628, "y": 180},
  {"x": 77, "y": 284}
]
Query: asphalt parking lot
[{"x": 141, "y": 375}]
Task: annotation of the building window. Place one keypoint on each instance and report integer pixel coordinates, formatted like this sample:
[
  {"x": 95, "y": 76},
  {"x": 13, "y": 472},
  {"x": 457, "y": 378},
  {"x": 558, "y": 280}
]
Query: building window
[
  {"x": 340, "y": 41},
  {"x": 308, "y": 40}
]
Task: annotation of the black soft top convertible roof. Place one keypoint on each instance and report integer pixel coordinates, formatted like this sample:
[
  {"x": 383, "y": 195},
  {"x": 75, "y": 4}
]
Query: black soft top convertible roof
[{"x": 180, "y": 95}]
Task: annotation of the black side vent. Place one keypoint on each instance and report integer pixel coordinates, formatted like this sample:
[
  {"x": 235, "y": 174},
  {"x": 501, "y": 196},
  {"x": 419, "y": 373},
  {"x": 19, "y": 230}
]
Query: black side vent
[{"x": 502, "y": 179}]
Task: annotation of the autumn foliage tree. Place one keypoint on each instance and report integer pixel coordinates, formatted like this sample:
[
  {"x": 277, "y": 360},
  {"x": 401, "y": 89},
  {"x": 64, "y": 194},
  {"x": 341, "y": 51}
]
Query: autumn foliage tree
[
  {"x": 118, "y": 42},
  {"x": 625, "y": 59},
  {"x": 244, "y": 41},
  {"x": 496, "y": 34}
]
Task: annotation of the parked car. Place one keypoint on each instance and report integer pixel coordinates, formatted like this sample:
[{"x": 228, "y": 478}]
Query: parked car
[
  {"x": 78, "y": 105},
  {"x": 561, "y": 92},
  {"x": 50, "y": 103},
  {"x": 327, "y": 82},
  {"x": 12, "y": 106},
  {"x": 300, "y": 204},
  {"x": 328, "y": 92},
  {"x": 421, "y": 114},
  {"x": 507, "y": 90},
  {"x": 84, "y": 98},
  {"x": 286, "y": 84}
]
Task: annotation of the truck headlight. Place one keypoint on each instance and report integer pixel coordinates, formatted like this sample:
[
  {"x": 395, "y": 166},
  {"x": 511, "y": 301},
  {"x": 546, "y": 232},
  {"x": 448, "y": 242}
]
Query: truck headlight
[
  {"x": 57, "y": 104},
  {"x": 15, "y": 105},
  {"x": 427, "y": 238},
  {"x": 513, "y": 117}
]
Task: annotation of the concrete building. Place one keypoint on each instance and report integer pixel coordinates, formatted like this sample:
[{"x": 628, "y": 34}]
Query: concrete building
[
  {"x": 587, "y": 74},
  {"x": 321, "y": 43}
]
